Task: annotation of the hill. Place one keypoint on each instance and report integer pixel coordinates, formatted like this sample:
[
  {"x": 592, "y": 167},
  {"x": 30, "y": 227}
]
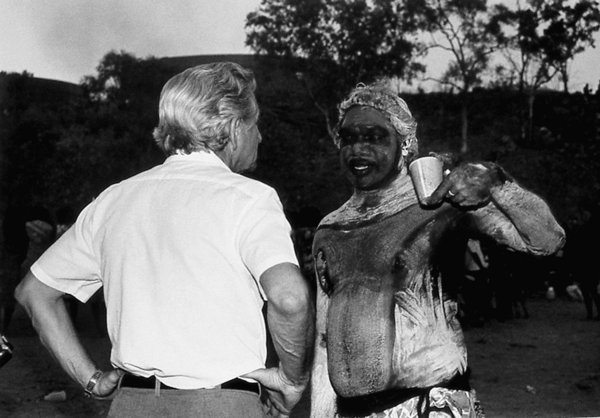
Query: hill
[{"x": 297, "y": 156}]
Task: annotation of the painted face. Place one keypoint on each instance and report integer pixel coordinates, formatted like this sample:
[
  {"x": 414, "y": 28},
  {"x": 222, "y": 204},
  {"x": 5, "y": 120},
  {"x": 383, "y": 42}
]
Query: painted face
[
  {"x": 369, "y": 148},
  {"x": 247, "y": 150}
]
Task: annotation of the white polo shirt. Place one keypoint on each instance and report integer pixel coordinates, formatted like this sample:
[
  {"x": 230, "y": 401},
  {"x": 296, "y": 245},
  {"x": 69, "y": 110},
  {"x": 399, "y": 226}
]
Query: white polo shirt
[{"x": 179, "y": 250}]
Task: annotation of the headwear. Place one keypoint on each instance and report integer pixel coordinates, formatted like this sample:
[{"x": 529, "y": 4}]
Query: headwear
[{"x": 391, "y": 105}]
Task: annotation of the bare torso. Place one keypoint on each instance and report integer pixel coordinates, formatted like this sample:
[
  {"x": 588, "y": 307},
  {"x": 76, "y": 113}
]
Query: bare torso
[
  {"x": 387, "y": 269},
  {"x": 392, "y": 313}
]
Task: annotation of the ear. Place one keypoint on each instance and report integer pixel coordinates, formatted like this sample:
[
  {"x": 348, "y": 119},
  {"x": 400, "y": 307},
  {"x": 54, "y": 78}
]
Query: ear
[{"x": 234, "y": 134}]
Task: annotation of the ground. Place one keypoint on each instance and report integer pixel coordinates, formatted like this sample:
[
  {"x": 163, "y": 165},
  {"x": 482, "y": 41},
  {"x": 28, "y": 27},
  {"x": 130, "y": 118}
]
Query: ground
[{"x": 544, "y": 366}]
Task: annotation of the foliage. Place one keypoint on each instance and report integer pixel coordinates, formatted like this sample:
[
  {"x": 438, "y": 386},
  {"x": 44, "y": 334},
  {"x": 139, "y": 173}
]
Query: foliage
[
  {"x": 124, "y": 95},
  {"x": 543, "y": 38},
  {"x": 364, "y": 38},
  {"x": 540, "y": 40},
  {"x": 463, "y": 29},
  {"x": 65, "y": 148},
  {"x": 571, "y": 30},
  {"x": 346, "y": 42},
  {"x": 110, "y": 136},
  {"x": 525, "y": 44},
  {"x": 32, "y": 119},
  {"x": 295, "y": 143}
]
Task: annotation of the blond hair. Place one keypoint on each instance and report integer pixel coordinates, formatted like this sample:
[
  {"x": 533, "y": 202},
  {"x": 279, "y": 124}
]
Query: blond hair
[{"x": 200, "y": 106}]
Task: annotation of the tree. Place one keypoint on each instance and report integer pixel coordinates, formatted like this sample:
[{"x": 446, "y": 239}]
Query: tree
[
  {"x": 570, "y": 31},
  {"x": 63, "y": 143},
  {"x": 34, "y": 112},
  {"x": 539, "y": 40},
  {"x": 341, "y": 42},
  {"x": 124, "y": 97},
  {"x": 524, "y": 50},
  {"x": 464, "y": 29}
]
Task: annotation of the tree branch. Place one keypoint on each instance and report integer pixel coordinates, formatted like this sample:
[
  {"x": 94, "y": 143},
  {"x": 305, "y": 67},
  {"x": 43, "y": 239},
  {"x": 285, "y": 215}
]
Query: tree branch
[{"x": 302, "y": 78}]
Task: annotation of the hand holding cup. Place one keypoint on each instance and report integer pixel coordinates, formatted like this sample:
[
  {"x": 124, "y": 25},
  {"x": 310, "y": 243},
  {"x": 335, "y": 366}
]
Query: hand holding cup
[{"x": 468, "y": 185}]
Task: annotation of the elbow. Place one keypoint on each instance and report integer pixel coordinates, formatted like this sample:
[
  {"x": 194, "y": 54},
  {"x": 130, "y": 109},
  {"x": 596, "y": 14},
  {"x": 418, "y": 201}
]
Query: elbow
[
  {"x": 550, "y": 243},
  {"x": 288, "y": 292},
  {"x": 25, "y": 290},
  {"x": 292, "y": 303},
  {"x": 560, "y": 241},
  {"x": 22, "y": 294},
  {"x": 292, "y": 300}
]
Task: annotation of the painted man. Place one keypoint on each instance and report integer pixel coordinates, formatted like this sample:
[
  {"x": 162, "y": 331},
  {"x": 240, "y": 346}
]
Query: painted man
[{"x": 388, "y": 341}]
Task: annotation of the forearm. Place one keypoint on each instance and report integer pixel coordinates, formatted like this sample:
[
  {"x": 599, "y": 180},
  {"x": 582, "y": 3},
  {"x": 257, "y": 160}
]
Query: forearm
[
  {"x": 521, "y": 220},
  {"x": 292, "y": 330},
  {"x": 51, "y": 320}
]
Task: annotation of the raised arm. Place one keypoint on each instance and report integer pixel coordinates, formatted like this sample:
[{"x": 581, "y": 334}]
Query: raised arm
[
  {"x": 501, "y": 209},
  {"x": 521, "y": 220},
  {"x": 290, "y": 316}
]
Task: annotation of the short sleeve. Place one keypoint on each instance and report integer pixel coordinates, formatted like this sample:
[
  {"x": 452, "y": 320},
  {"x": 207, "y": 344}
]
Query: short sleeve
[
  {"x": 265, "y": 235},
  {"x": 70, "y": 265}
]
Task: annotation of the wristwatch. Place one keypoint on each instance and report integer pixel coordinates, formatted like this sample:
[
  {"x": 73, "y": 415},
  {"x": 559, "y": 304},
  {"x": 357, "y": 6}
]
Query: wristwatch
[{"x": 91, "y": 384}]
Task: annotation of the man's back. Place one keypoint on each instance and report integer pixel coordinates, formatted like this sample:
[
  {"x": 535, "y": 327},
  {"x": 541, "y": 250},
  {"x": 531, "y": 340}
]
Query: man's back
[{"x": 178, "y": 257}]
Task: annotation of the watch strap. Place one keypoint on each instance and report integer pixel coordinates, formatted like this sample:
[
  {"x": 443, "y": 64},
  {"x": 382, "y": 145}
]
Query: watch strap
[{"x": 91, "y": 384}]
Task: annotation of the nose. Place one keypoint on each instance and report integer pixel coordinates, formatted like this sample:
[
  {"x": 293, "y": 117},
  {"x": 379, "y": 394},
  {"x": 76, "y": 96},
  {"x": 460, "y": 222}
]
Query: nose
[
  {"x": 358, "y": 147},
  {"x": 260, "y": 138}
]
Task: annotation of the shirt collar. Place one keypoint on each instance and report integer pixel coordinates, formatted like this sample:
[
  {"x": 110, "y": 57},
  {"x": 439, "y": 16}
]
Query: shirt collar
[{"x": 205, "y": 157}]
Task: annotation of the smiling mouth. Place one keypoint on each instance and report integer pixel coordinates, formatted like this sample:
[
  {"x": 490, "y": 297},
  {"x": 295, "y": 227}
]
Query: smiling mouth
[{"x": 359, "y": 167}]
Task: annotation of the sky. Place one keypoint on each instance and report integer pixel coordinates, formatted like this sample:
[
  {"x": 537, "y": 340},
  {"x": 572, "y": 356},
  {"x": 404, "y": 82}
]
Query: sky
[{"x": 66, "y": 39}]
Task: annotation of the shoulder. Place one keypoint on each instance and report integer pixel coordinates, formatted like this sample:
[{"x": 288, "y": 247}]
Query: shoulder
[
  {"x": 334, "y": 217},
  {"x": 252, "y": 194},
  {"x": 412, "y": 214},
  {"x": 250, "y": 186}
]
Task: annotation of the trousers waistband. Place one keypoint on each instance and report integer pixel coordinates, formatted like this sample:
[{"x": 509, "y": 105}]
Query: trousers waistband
[{"x": 133, "y": 381}]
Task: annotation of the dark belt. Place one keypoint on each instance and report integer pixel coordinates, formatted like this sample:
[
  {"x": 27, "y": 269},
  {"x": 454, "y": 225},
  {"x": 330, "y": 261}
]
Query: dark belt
[
  {"x": 132, "y": 381},
  {"x": 380, "y": 401}
]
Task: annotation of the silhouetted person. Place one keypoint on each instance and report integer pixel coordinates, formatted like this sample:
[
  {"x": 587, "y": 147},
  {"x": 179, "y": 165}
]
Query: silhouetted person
[
  {"x": 508, "y": 277},
  {"x": 21, "y": 225},
  {"x": 582, "y": 254},
  {"x": 476, "y": 285}
]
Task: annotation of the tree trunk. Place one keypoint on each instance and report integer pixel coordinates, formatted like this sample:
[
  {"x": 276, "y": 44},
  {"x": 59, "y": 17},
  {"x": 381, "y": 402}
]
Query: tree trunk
[
  {"x": 523, "y": 120},
  {"x": 522, "y": 112},
  {"x": 565, "y": 80},
  {"x": 464, "y": 113},
  {"x": 530, "y": 101}
]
